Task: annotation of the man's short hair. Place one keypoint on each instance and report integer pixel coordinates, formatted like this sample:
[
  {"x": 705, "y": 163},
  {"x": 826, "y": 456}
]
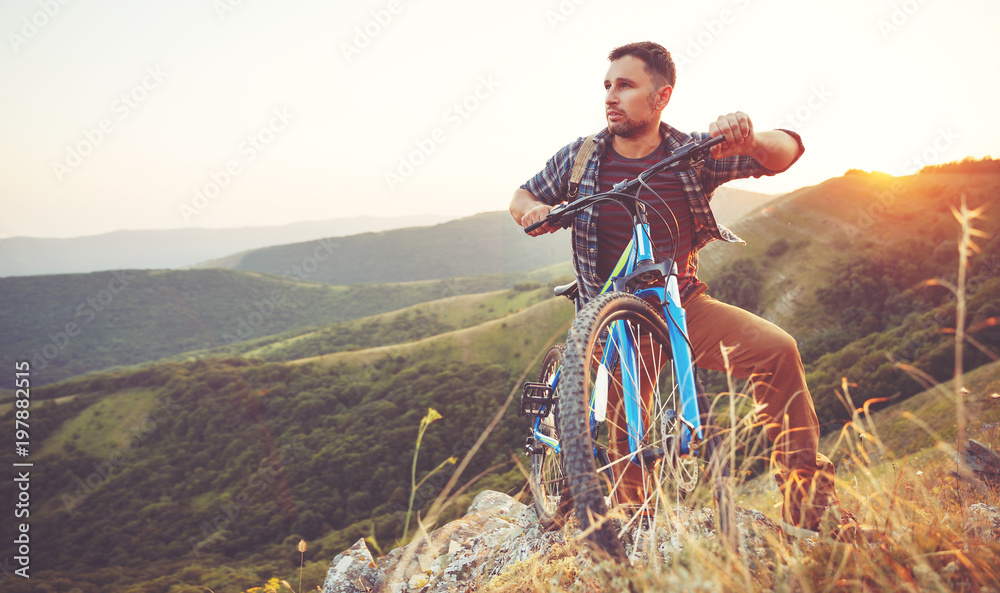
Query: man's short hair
[{"x": 659, "y": 65}]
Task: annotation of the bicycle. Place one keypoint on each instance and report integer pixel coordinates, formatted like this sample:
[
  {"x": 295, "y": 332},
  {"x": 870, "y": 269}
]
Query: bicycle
[{"x": 620, "y": 344}]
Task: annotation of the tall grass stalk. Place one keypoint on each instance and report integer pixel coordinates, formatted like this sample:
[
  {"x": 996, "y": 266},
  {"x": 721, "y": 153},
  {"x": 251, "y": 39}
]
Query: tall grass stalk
[
  {"x": 302, "y": 557},
  {"x": 431, "y": 417},
  {"x": 966, "y": 244}
]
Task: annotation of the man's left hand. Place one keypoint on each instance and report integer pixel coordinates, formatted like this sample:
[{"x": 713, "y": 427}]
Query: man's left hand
[{"x": 738, "y": 130}]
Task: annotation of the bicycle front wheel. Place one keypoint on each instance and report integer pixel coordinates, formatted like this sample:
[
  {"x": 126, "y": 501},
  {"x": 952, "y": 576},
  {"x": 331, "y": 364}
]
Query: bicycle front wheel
[{"x": 596, "y": 388}]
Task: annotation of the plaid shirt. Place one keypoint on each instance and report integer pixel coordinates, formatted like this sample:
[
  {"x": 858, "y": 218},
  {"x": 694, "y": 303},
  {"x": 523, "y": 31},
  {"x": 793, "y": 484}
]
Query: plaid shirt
[{"x": 551, "y": 184}]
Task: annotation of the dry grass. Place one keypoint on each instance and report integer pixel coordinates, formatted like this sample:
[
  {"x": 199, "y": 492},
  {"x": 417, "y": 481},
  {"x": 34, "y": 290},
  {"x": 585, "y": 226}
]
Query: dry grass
[{"x": 920, "y": 510}]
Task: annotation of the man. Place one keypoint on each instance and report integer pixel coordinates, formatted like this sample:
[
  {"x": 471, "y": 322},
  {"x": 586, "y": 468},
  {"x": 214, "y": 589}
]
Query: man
[{"x": 639, "y": 83}]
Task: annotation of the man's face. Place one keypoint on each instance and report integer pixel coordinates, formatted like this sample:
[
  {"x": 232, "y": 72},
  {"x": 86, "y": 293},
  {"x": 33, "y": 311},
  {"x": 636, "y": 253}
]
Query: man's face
[{"x": 633, "y": 103}]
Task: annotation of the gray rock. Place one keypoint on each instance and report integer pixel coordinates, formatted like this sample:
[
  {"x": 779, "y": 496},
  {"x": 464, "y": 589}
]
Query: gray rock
[
  {"x": 983, "y": 522},
  {"x": 498, "y": 532},
  {"x": 352, "y": 571},
  {"x": 495, "y": 503},
  {"x": 451, "y": 555}
]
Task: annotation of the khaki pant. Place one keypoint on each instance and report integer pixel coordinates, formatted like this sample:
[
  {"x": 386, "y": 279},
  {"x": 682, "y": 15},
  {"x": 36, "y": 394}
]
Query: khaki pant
[{"x": 764, "y": 353}]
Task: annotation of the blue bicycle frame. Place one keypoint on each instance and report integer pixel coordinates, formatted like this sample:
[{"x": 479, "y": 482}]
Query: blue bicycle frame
[{"x": 638, "y": 251}]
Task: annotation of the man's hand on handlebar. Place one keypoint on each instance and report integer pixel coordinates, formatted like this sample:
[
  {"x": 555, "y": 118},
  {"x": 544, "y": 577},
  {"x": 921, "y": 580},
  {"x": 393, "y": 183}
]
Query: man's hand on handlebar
[
  {"x": 738, "y": 130},
  {"x": 537, "y": 214},
  {"x": 539, "y": 218}
]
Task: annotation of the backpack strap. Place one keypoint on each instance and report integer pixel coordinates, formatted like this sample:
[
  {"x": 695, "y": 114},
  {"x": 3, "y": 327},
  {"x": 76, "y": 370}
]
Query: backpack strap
[{"x": 579, "y": 165}]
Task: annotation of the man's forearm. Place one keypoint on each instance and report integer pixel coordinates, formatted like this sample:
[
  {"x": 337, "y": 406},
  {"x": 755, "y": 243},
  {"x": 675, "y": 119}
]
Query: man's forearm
[{"x": 774, "y": 149}]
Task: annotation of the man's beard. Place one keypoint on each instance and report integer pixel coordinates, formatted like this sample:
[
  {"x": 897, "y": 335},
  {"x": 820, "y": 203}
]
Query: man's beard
[
  {"x": 631, "y": 128},
  {"x": 627, "y": 127}
]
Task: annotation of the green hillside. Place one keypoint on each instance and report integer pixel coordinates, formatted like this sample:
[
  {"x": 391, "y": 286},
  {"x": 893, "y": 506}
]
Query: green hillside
[
  {"x": 71, "y": 324},
  {"x": 805, "y": 238},
  {"x": 208, "y": 473},
  {"x": 410, "y": 323},
  {"x": 488, "y": 243},
  {"x": 413, "y": 323},
  {"x": 502, "y": 341},
  {"x": 842, "y": 267},
  {"x": 175, "y": 470}
]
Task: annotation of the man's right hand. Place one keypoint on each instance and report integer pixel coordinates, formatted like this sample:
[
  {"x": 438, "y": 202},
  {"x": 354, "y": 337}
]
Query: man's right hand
[
  {"x": 536, "y": 214},
  {"x": 527, "y": 210}
]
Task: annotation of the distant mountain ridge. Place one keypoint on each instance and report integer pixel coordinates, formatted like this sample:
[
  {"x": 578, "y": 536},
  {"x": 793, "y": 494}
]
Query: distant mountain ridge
[
  {"x": 173, "y": 248},
  {"x": 487, "y": 243},
  {"x": 228, "y": 248}
]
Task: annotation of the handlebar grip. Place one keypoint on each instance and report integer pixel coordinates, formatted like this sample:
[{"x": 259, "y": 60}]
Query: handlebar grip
[
  {"x": 713, "y": 141},
  {"x": 553, "y": 221},
  {"x": 554, "y": 218},
  {"x": 534, "y": 226}
]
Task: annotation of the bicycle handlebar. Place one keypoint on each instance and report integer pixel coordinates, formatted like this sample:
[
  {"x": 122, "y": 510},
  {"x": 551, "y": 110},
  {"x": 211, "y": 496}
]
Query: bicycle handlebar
[{"x": 561, "y": 214}]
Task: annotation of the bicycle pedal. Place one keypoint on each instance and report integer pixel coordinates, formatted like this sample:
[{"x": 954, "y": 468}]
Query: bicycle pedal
[
  {"x": 536, "y": 399},
  {"x": 531, "y": 447}
]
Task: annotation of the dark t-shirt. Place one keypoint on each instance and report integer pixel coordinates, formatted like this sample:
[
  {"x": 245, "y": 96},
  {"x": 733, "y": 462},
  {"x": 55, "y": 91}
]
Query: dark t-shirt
[{"x": 614, "y": 227}]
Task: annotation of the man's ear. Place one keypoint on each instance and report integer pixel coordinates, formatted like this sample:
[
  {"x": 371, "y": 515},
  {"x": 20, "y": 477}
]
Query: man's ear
[{"x": 663, "y": 97}]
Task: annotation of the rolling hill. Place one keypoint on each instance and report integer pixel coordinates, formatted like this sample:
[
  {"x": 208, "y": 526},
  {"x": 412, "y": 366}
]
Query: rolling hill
[
  {"x": 843, "y": 267},
  {"x": 488, "y": 243},
  {"x": 76, "y": 323},
  {"x": 318, "y": 448},
  {"x": 172, "y": 248}
]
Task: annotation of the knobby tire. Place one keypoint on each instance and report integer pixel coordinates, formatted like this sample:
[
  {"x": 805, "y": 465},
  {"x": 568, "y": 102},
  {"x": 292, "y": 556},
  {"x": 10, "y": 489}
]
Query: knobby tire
[{"x": 587, "y": 484}]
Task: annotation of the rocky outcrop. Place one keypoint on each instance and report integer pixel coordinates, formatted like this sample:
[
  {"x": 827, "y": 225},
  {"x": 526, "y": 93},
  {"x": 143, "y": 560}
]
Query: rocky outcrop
[
  {"x": 499, "y": 534},
  {"x": 352, "y": 570},
  {"x": 983, "y": 522}
]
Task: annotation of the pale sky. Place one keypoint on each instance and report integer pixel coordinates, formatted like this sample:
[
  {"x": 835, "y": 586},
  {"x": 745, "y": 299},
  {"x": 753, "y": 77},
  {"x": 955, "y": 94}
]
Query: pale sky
[{"x": 116, "y": 113}]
